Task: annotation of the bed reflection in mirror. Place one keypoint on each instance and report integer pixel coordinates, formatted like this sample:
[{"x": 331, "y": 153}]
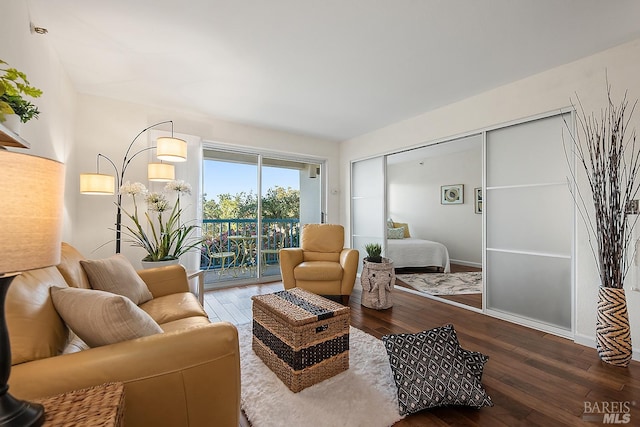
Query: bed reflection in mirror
[{"x": 436, "y": 246}]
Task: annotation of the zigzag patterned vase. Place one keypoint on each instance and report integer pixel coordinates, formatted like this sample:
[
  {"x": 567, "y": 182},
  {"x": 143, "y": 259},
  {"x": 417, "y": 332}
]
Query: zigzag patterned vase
[{"x": 613, "y": 336}]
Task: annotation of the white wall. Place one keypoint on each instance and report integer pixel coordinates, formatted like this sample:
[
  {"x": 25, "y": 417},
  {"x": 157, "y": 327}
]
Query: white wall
[
  {"x": 51, "y": 135},
  {"x": 544, "y": 92},
  {"x": 73, "y": 128},
  {"x": 413, "y": 197},
  {"x": 107, "y": 126}
]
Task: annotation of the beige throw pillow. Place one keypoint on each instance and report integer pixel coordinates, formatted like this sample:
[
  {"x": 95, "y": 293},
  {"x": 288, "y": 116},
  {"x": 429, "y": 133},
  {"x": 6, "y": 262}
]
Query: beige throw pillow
[
  {"x": 101, "y": 318},
  {"x": 116, "y": 275},
  {"x": 406, "y": 228}
]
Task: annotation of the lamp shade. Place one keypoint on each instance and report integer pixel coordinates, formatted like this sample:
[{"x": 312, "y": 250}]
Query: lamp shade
[
  {"x": 171, "y": 149},
  {"x": 161, "y": 172},
  {"x": 31, "y": 215},
  {"x": 97, "y": 183}
]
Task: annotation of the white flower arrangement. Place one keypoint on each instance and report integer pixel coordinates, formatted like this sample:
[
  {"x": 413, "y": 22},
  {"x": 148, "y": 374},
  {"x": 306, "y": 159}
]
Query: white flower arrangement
[{"x": 165, "y": 240}]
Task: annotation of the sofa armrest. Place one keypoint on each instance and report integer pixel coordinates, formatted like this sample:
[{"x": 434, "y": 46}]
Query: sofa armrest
[
  {"x": 162, "y": 281},
  {"x": 289, "y": 258},
  {"x": 349, "y": 262},
  {"x": 188, "y": 377}
]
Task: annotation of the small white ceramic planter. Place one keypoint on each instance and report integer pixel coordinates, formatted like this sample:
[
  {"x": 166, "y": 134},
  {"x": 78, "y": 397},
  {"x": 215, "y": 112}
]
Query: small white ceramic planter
[
  {"x": 13, "y": 123},
  {"x": 155, "y": 264}
]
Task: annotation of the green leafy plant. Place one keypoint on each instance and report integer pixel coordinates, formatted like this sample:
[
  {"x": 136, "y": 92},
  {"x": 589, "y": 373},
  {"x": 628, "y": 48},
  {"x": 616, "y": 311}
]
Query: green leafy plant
[
  {"x": 167, "y": 238},
  {"x": 23, "y": 108},
  {"x": 13, "y": 85},
  {"x": 374, "y": 251}
]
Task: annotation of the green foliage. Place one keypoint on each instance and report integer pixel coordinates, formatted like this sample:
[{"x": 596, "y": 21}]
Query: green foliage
[
  {"x": 23, "y": 108},
  {"x": 278, "y": 202},
  {"x": 281, "y": 203},
  {"x": 14, "y": 84},
  {"x": 374, "y": 250}
]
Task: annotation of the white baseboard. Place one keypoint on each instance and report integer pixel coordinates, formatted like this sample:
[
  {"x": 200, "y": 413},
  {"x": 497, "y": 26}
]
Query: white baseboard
[
  {"x": 590, "y": 341},
  {"x": 467, "y": 263}
]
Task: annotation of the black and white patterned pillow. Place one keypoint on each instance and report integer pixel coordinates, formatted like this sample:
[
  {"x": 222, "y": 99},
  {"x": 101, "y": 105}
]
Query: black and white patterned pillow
[{"x": 430, "y": 369}]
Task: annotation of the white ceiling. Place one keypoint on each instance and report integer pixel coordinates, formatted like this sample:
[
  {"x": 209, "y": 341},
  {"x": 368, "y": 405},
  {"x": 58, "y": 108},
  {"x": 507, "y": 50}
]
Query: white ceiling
[{"x": 328, "y": 68}]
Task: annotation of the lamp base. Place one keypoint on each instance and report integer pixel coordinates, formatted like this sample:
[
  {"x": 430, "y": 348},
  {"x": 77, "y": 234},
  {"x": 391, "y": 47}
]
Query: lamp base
[
  {"x": 13, "y": 412},
  {"x": 18, "y": 413}
]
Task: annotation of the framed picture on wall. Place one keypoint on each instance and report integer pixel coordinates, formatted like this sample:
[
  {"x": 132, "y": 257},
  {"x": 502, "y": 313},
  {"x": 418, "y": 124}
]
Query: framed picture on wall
[
  {"x": 452, "y": 194},
  {"x": 477, "y": 192}
]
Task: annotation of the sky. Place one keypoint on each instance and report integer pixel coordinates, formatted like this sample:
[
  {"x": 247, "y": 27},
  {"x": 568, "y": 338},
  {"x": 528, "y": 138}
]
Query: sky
[{"x": 232, "y": 178}]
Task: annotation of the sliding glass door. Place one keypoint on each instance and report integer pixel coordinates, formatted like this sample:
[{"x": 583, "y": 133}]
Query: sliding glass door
[{"x": 253, "y": 206}]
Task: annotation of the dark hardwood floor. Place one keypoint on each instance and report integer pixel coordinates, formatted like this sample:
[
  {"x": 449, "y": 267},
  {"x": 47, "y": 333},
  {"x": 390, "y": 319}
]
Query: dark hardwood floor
[{"x": 534, "y": 378}]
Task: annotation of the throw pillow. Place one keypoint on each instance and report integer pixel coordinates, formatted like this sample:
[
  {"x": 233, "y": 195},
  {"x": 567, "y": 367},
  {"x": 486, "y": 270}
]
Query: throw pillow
[
  {"x": 430, "y": 370},
  {"x": 389, "y": 223},
  {"x": 117, "y": 275},
  {"x": 395, "y": 233},
  {"x": 101, "y": 318},
  {"x": 406, "y": 228}
]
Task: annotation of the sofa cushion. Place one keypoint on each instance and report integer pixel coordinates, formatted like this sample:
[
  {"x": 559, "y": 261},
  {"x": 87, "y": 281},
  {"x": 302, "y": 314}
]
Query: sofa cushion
[
  {"x": 430, "y": 370},
  {"x": 35, "y": 329},
  {"x": 173, "y": 307},
  {"x": 71, "y": 269},
  {"x": 318, "y": 270},
  {"x": 102, "y": 318},
  {"x": 116, "y": 275}
]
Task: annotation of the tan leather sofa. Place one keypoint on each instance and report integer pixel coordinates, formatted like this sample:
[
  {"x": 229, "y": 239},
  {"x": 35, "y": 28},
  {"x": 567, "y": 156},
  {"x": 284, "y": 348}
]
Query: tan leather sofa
[
  {"x": 321, "y": 264},
  {"x": 187, "y": 376}
]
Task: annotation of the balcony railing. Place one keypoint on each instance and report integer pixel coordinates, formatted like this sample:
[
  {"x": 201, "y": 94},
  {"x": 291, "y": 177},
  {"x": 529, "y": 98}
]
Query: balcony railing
[{"x": 237, "y": 238}]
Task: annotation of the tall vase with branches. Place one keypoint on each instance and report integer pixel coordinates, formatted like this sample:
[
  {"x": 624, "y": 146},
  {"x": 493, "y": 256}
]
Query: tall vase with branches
[{"x": 610, "y": 159}]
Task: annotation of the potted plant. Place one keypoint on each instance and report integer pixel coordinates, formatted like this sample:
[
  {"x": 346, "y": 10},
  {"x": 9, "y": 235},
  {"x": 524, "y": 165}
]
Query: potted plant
[
  {"x": 167, "y": 238},
  {"x": 378, "y": 278},
  {"x": 13, "y": 87},
  {"x": 374, "y": 252},
  {"x": 610, "y": 160}
]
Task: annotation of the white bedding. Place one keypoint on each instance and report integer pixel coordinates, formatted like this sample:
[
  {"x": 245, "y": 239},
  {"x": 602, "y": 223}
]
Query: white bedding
[{"x": 412, "y": 252}]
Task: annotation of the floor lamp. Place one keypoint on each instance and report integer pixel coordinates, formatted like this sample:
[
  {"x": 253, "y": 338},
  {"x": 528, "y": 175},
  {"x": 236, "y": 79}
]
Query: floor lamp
[
  {"x": 31, "y": 227},
  {"x": 167, "y": 148}
]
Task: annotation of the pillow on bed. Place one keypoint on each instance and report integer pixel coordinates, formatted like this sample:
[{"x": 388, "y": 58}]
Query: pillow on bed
[
  {"x": 406, "y": 228},
  {"x": 395, "y": 233}
]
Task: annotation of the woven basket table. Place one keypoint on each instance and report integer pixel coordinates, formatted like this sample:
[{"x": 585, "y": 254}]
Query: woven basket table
[
  {"x": 100, "y": 406},
  {"x": 302, "y": 337}
]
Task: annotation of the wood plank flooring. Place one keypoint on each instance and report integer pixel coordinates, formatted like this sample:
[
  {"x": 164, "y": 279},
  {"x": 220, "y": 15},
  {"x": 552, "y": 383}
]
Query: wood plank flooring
[{"x": 534, "y": 378}]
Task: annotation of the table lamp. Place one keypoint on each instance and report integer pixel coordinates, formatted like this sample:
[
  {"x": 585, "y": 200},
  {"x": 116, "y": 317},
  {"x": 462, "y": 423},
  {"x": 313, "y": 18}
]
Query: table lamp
[{"x": 30, "y": 231}]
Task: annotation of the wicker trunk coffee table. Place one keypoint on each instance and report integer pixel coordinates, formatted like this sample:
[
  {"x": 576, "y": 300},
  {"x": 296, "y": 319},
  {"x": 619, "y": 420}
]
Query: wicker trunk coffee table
[{"x": 302, "y": 337}]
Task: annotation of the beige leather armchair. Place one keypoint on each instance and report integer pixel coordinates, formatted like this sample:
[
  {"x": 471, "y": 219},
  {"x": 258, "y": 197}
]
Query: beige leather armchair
[{"x": 321, "y": 264}]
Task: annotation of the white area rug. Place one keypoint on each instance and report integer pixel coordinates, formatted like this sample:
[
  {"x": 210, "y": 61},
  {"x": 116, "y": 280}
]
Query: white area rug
[
  {"x": 364, "y": 395},
  {"x": 444, "y": 283}
]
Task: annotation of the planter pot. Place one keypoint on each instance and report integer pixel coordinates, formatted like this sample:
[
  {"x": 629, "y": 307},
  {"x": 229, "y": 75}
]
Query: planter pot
[
  {"x": 377, "y": 280},
  {"x": 613, "y": 336},
  {"x": 156, "y": 264},
  {"x": 13, "y": 123}
]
